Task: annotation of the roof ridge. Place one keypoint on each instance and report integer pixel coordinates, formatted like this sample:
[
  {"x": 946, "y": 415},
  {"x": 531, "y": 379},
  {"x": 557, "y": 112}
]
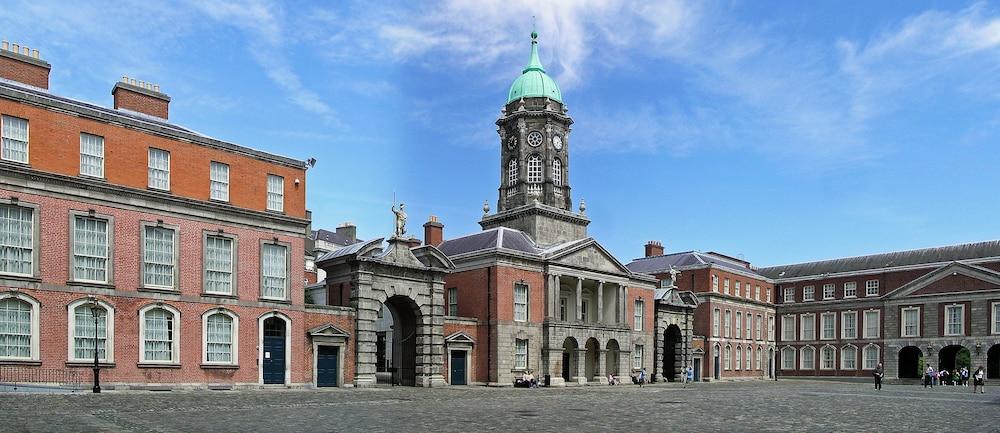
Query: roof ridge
[{"x": 995, "y": 241}]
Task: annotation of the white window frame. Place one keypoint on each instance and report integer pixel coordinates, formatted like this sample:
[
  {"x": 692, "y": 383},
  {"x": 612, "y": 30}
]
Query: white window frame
[
  {"x": 738, "y": 325},
  {"x": 832, "y": 317},
  {"x": 639, "y": 314},
  {"x": 902, "y": 322},
  {"x": 878, "y": 324},
  {"x": 453, "y": 301},
  {"x": 850, "y": 289},
  {"x": 522, "y": 314},
  {"x": 535, "y": 175},
  {"x": 865, "y": 358},
  {"x": 823, "y": 352},
  {"x": 175, "y": 338},
  {"x": 175, "y": 259},
  {"x": 756, "y": 293},
  {"x": 275, "y": 193},
  {"x": 35, "y": 334},
  {"x": 3, "y": 139},
  {"x": 748, "y": 359},
  {"x": 109, "y": 250},
  {"x": 86, "y": 142},
  {"x": 35, "y": 233},
  {"x": 235, "y": 343},
  {"x": 748, "y": 326},
  {"x": 786, "y": 330},
  {"x": 738, "y": 361},
  {"x": 727, "y": 324},
  {"x": 151, "y": 169},
  {"x": 808, "y": 293},
  {"x": 759, "y": 358},
  {"x": 809, "y": 319},
  {"x": 109, "y": 340},
  {"x": 948, "y": 323},
  {"x": 770, "y": 328},
  {"x": 789, "y": 358},
  {"x": 234, "y": 262},
  {"x": 829, "y": 291},
  {"x": 844, "y": 358},
  {"x": 715, "y": 283},
  {"x": 995, "y": 318},
  {"x": 812, "y": 358},
  {"x": 758, "y": 324},
  {"x": 288, "y": 270},
  {"x": 768, "y": 295},
  {"x": 871, "y": 288},
  {"x": 557, "y": 172},
  {"x": 728, "y": 358},
  {"x": 789, "y": 297},
  {"x": 520, "y": 354},
  {"x": 637, "y": 355},
  {"x": 844, "y": 334},
  {"x": 218, "y": 181},
  {"x": 512, "y": 177},
  {"x": 737, "y": 289},
  {"x": 725, "y": 286},
  {"x": 717, "y": 321}
]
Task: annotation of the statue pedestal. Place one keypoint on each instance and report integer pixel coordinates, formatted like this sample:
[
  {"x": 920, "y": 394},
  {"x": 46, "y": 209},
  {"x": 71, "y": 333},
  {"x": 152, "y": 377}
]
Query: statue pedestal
[{"x": 409, "y": 241}]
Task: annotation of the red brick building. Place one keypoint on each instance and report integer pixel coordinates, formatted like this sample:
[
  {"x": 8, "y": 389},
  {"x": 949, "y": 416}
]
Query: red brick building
[{"x": 192, "y": 247}]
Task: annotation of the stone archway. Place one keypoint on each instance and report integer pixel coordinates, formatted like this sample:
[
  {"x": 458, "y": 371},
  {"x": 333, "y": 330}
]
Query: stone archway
[
  {"x": 570, "y": 359},
  {"x": 954, "y": 356},
  {"x": 403, "y": 317},
  {"x": 591, "y": 365},
  {"x": 909, "y": 362},
  {"x": 612, "y": 357},
  {"x": 993, "y": 362},
  {"x": 672, "y": 342}
]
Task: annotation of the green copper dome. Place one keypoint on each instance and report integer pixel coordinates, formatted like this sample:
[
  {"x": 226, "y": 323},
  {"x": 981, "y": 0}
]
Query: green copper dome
[{"x": 534, "y": 82}]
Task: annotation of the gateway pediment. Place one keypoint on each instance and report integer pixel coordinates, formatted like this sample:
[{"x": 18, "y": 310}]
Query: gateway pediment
[
  {"x": 591, "y": 256},
  {"x": 956, "y": 277}
]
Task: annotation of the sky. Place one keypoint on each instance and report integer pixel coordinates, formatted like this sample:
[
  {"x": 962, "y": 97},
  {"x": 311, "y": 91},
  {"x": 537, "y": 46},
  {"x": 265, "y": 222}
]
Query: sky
[{"x": 776, "y": 131}]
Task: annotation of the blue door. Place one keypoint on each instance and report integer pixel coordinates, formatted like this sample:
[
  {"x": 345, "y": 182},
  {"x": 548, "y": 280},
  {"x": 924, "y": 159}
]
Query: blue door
[
  {"x": 326, "y": 365},
  {"x": 457, "y": 375},
  {"x": 274, "y": 351}
]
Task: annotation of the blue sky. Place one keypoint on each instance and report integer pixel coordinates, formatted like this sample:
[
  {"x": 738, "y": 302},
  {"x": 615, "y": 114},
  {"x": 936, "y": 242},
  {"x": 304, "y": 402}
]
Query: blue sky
[{"x": 779, "y": 131}]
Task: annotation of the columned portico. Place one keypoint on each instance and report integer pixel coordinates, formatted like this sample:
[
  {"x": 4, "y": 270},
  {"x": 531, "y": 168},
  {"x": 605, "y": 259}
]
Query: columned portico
[{"x": 576, "y": 298}]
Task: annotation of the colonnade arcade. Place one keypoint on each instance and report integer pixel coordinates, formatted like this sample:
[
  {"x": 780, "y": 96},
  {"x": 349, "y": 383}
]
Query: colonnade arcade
[{"x": 575, "y": 298}]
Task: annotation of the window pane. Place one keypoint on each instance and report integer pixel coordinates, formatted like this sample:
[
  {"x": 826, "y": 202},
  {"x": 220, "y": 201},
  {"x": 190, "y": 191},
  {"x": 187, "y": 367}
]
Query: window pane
[
  {"x": 159, "y": 336},
  {"x": 17, "y": 232},
  {"x": 158, "y": 257},
  {"x": 219, "y": 181},
  {"x": 90, "y": 249},
  {"x": 534, "y": 174},
  {"x": 15, "y": 139},
  {"x": 15, "y": 328},
  {"x": 520, "y": 302},
  {"x": 159, "y": 169},
  {"x": 219, "y": 265},
  {"x": 83, "y": 333},
  {"x": 274, "y": 270},
  {"x": 275, "y": 193},
  {"x": 219, "y": 338}
]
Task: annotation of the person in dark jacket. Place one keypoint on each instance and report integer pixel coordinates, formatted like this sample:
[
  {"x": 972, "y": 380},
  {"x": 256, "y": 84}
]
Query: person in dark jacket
[{"x": 878, "y": 373}]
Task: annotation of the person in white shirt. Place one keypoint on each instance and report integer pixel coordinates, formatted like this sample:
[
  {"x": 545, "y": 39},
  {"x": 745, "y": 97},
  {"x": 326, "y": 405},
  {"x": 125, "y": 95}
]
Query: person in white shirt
[{"x": 978, "y": 381}]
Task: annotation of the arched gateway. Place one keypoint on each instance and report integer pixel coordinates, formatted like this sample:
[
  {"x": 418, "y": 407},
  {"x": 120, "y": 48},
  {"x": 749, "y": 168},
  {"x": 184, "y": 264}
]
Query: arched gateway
[{"x": 398, "y": 292}]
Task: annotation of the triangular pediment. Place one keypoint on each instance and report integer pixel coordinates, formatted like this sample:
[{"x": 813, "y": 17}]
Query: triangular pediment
[
  {"x": 955, "y": 277},
  {"x": 459, "y": 337},
  {"x": 327, "y": 330},
  {"x": 589, "y": 255}
]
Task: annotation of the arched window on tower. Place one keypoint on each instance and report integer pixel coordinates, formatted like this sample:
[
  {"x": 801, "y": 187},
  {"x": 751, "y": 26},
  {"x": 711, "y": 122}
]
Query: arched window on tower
[
  {"x": 535, "y": 174},
  {"x": 557, "y": 173},
  {"x": 512, "y": 177}
]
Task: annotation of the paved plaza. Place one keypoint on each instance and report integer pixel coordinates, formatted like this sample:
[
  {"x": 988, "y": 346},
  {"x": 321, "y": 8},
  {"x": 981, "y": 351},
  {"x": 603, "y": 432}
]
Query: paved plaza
[{"x": 755, "y": 406}]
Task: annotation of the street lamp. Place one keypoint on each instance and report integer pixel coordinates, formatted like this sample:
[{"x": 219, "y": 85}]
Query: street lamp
[{"x": 95, "y": 310}]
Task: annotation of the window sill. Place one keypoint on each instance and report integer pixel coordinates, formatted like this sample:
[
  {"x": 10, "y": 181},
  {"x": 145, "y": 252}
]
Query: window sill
[
  {"x": 164, "y": 191},
  {"x": 850, "y": 297},
  {"x": 276, "y": 212},
  {"x": 94, "y": 178},
  {"x": 159, "y": 290},
  {"x": 83, "y": 364},
  {"x": 219, "y": 295},
  {"x": 24, "y": 362},
  {"x": 18, "y": 277},
  {"x": 219, "y": 201},
  {"x": 276, "y": 301},
  {"x": 220, "y": 366},
  {"x": 17, "y": 163},
  {"x": 155, "y": 365},
  {"x": 75, "y": 283}
]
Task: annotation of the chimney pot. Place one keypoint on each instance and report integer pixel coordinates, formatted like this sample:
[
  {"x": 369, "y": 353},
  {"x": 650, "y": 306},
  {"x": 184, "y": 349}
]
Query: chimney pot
[
  {"x": 136, "y": 95},
  {"x": 433, "y": 231},
  {"x": 22, "y": 64},
  {"x": 654, "y": 248},
  {"x": 5, "y": 45},
  {"x": 34, "y": 53}
]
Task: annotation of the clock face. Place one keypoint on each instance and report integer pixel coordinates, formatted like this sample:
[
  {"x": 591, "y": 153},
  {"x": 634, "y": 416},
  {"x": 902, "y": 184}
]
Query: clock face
[
  {"x": 557, "y": 142},
  {"x": 512, "y": 142},
  {"x": 535, "y": 138}
]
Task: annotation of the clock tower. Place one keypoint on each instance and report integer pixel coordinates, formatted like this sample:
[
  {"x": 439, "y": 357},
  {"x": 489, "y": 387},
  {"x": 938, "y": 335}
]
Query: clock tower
[{"x": 534, "y": 191}]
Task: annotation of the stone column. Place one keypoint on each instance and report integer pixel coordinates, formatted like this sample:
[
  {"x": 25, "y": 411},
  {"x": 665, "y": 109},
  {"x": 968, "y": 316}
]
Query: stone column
[
  {"x": 367, "y": 313},
  {"x": 600, "y": 302},
  {"x": 581, "y": 365},
  {"x": 624, "y": 310},
  {"x": 579, "y": 299},
  {"x": 601, "y": 368},
  {"x": 554, "y": 365},
  {"x": 549, "y": 297}
]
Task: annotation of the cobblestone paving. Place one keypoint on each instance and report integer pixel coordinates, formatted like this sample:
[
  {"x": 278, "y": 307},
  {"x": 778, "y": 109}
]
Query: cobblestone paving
[{"x": 754, "y": 406}]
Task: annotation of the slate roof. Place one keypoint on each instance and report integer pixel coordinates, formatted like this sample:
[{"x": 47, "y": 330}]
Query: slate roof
[
  {"x": 660, "y": 264},
  {"x": 495, "y": 238},
  {"x": 886, "y": 260},
  {"x": 333, "y": 237}
]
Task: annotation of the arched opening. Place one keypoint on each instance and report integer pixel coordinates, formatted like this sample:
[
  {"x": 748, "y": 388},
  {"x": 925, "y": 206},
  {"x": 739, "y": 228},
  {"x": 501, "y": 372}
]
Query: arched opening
[
  {"x": 993, "y": 362},
  {"x": 569, "y": 358},
  {"x": 716, "y": 363},
  {"x": 274, "y": 362},
  {"x": 611, "y": 358},
  {"x": 954, "y": 357},
  {"x": 396, "y": 341},
  {"x": 770, "y": 363},
  {"x": 910, "y": 360},
  {"x": 592, "y": 361},
  {"x": 671, "y": 347}
]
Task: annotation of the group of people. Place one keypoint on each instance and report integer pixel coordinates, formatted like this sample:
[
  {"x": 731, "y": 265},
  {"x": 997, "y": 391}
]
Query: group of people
[{"x": 956, "y": 377}]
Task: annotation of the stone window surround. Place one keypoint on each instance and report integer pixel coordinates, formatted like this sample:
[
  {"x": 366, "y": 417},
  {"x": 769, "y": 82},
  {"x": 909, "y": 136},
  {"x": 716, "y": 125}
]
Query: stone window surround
[
  {"x": 728, "y": 358},
  {"x": 738, "y": 360},
  {"x": 812, "y": 358},
  {"x": 808, "y": 293},
  {"x": 878, "y": 325},
  {"x": 109, "y": 350},
  {"x": 35, "y": 334},
  {"x": 788, "y": 355},
  {"x": 288, "y": 269},
  {"x": 727, "y": 323},
  {"x": 822, "y": 321},
  {"x": 823, "y": 351},
  {"x": 843, "y": 325},
  {"x": 142, "y": 255},
  {"x": 73, "y": 214},
  {"x": 994, "y": 312},
  {"x": 878, "y": 354},
  {"x": 716, "y": 322},
  {"x": 850, "y": 285},
  {"x": 785, "y": 329},
  {"x": 803, "y": 320},
  {"x": 902, "y": 321},
  {"x": 205, "y": 234},
  {"x": 961, "y": 322},
  {"x": 738, "y": 325},
  {"x": 36, "y": 239},
  {"x": 235, "y": 362},
  {"x": 844, "y": 358},
  {"x": 175, "y": 340}
]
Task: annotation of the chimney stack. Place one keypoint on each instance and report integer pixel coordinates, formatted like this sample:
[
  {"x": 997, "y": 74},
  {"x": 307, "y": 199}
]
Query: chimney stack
[
  {"x": 23, "y": 65},
  {"x": 349, "y": 231},
  {"x": 140, "y": 96},
  {"x": 433, "y": 231},
  {"x": 654, "y": 248}
]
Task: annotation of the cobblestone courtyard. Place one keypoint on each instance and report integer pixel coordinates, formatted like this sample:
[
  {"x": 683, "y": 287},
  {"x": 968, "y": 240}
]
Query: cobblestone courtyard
[{"x": 755, "y": 406}]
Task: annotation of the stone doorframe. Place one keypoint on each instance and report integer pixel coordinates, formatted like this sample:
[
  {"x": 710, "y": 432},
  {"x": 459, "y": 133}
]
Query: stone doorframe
[
  {"x": 329, "y": 335},
  {"x": 461, "y": 342}
]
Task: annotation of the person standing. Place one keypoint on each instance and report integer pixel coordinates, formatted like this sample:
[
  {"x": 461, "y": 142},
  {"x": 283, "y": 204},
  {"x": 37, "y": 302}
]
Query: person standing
[
  {"x": 929, "y": 377},
  {"x": 878, "y": 373},
  {"x": 978, "y": 381},
  {"x": 642, "y": 377},
  {"x": 690, "y": 374}
]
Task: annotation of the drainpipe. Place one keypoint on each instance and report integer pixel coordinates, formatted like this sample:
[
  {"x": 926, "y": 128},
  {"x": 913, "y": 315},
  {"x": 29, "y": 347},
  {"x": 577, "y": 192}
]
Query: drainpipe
[{"x": 489, "y": 320}]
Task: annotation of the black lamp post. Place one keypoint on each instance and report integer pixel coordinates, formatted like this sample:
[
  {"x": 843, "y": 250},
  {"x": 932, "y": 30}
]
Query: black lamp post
[{"x": 95, "y": 310}]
